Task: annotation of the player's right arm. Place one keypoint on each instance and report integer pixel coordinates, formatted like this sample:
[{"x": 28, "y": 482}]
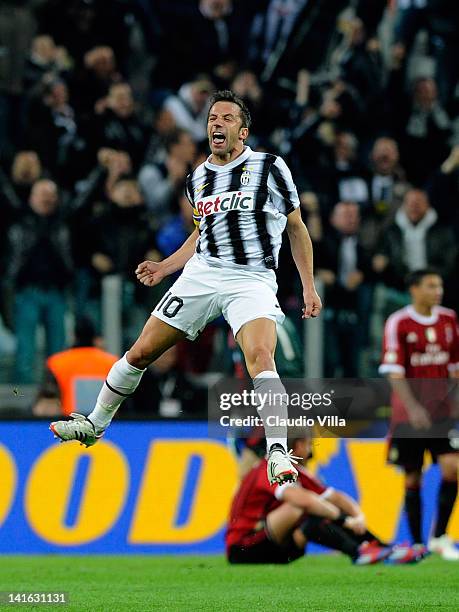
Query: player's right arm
[
  {"x": 393, "y": 366},
  {"x": 418, "y": 416},
  {"x": 150, "y": 273}
]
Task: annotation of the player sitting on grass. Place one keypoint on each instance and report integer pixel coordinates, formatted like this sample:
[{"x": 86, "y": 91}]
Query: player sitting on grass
[{"x": 274, "y": 523}]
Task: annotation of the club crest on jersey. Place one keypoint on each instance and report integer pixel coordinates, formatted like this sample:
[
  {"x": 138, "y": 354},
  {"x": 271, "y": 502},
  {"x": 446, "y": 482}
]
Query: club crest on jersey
[
  {"x": 431, "y": 334},
  {"x": 245, "y": 177},
  {"x": 224, "y": 202}
]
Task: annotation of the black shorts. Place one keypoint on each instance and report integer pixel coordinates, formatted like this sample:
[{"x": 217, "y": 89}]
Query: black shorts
[
  {"x": 408, "y": 452},
  {"x": 258, "y": 548}
]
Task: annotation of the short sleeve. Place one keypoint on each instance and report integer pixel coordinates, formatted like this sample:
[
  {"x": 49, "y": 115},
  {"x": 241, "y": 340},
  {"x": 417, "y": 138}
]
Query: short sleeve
[
  {"x": 393, "y": 357},
  {"x": 282, "y": 188}
]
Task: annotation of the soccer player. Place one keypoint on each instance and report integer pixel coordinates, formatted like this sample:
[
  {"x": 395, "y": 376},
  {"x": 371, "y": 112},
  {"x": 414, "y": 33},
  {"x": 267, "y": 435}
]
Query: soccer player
[
  {"x": 272, "y": 523},
  {"x": 421, "y": 341},
  {"x": 242, "y": 202}
]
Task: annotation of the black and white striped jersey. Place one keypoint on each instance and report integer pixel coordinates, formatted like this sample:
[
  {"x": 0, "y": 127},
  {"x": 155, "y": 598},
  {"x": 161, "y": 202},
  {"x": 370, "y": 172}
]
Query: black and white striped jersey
[{"x": 241, "y": 208}]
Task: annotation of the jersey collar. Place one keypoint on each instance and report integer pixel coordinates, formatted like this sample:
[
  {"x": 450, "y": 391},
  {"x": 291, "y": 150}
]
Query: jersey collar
[
  {"x": 422, "y": 319},
  {"x": 240, "y": 158}
]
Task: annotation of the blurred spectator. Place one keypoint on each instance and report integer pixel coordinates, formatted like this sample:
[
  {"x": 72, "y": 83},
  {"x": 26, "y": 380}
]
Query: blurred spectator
[
  {"x": 16, "y": 31},
  {"x": 15, "y": 188},
  {"x": 53, "y": 132},
  {"x": 92, "y": 82},
  {"x": 119, "y": 239},
  {"x": 361, "y": 66},
  {"x": 81, "y": 25},
  {"x": 45, "y": 60},
  {"x": 73, "y": 377},
  {"x": 424, "y": 129},
  {"x": 246, "y": 85},
  {"x": 387, "y": 186},
  {"x": 163, "y": 182},
  {"x": 288, "y": 35},
  {"x": 189, "y": 107},
  {"x": 173, "y": 233},
  {"x": 344, "y": 268},
  {"x": 440, "y": 19},
  {"x": 415, "y": 240},
  {"x": 163, "y": 126},
  {"x": 120, "y": 126},
  {"x": 39, "y": 268},
  {"x": 346, "y": 178},
  {"x": 209, "y": 36}
]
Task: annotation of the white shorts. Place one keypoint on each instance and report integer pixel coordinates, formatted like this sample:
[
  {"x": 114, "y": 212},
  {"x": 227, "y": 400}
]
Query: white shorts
[{"x": 203, "y": 292}]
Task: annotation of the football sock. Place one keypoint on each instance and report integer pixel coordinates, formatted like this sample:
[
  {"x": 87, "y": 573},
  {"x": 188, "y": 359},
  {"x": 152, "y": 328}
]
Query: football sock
[
  {"x": 413, "y": 511},
  {"x": 272, "y": 399},
  {"x": 446, "y": 498},
  {"x": 327, "y": 533},
  {"x": 122, "y": 381}
]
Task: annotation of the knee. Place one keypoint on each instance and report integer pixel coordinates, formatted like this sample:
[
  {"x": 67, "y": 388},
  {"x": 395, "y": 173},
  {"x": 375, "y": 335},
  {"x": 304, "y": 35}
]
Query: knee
[
  {"x": 259, "y": 354},
  {"x": 140, "y": 356}
]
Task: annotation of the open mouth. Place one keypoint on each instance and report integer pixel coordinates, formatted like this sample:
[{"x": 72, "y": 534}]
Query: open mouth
[{"x": 218, "y": 138}]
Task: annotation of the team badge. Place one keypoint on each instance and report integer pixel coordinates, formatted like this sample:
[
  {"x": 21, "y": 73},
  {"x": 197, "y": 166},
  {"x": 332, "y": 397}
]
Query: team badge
[
  {"x": 245, "y": 176},
  {"x": 431, "y": 334}
]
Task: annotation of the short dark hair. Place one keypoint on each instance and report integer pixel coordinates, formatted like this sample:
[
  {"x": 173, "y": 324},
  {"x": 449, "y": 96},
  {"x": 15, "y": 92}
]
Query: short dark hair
[
  {"x": 415, "y": 278},
  {"x": 226, "y": 95}
]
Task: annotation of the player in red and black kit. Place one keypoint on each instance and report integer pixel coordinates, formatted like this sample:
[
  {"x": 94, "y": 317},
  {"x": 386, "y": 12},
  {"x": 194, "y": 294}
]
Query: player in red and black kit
[
  {"x": 272, "y": 523},
  {"x": 420, "y": 356}
]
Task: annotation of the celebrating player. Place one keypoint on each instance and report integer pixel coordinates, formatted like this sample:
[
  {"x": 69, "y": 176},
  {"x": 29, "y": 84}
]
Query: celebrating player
[
  {"x": 242, "y": 201},
  {"x": 421, "y": 341},
  {"x": 272, "y": 523}
]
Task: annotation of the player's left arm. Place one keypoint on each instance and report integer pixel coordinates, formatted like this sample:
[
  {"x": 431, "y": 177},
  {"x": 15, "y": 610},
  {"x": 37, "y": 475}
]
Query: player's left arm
[{"x": 301, "y": 246}]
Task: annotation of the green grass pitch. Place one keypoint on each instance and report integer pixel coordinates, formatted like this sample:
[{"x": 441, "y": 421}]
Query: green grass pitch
[{"x": 208, "y": 583}]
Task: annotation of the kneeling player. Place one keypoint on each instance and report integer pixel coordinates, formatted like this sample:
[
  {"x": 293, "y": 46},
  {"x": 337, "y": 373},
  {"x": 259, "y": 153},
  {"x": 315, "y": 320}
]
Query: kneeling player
[{"x": 272, "y": 524}]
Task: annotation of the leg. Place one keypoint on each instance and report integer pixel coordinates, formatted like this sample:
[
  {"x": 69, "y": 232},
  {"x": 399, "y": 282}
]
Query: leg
[
  {"x": 125, "y": 374},
  {"x": 282, "y": 522},
  {"x": 54, "y": 321},
  {"x": 276, "y": 543},
  {"x": 327, "y": 533},
  {"x": 449, "y": 463},
  {"x": 413, "y": 480},
  {"x": 257, "y": 340},
  {"x": 26, "y": 315}
]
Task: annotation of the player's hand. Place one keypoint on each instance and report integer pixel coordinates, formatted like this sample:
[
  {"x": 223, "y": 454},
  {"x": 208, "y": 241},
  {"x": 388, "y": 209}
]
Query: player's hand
[
  {"x": 419, "y": 417},
  {"x": 312, "y": 303},
  {"x": 150, "y": 273},
  {"x": 356, "y": 524}
]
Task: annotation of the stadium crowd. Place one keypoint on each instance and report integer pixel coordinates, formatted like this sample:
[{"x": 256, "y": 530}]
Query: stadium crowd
[{"x": 103, "y": 109}]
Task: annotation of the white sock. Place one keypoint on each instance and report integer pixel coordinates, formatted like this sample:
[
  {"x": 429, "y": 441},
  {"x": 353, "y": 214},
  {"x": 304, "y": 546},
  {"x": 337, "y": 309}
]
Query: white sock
[
  {"x": 122, "y": 381},
  {"x": 268, "y": 382}
]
